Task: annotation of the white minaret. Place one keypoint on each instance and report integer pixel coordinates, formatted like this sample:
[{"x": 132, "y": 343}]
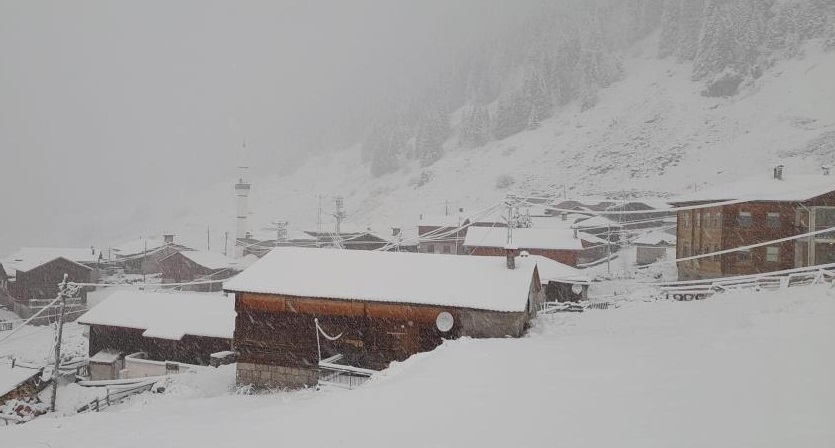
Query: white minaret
[{"x": 242, "y": 192}]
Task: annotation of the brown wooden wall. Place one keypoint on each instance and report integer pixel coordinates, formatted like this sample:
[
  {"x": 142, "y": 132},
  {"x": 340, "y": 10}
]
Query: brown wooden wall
[
  {"x": 41, "y": 283},
  {"x": 190, "y": 349},
  {"x": 280, "y": 330},
  {"x": 177, "y": 268}
]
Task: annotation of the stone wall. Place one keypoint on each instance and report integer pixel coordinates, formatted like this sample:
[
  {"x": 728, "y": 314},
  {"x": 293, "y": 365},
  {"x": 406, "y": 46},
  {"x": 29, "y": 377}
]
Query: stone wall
[{"x": 263, "y": 376}]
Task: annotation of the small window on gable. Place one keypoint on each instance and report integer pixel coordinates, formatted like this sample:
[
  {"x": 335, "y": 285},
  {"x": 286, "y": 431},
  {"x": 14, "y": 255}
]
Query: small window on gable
[
  {"x": 773, "y": 220},
  {"x": 772, "y": 253},
  {"x": 743, "y": 255},
  {"x": 745, "y": 219}
]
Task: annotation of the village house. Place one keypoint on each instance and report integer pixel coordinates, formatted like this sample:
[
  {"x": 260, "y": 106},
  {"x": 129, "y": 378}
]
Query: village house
[
  {"x": 566, "y": 246},
  {"x": 32, "y": 283},
  {"x": 142, "y": 256},
  {"x": 139, "y": 331},
  {"x": 371, "y": 307},
  {"x": 351, "y": 236},
  {"x": 770, "y": 208},
  {"x": 653, "y": 246},
  {"x": 266, "y": 239},
  {"x": 442, "y": 234},
  {"x": 560, "y": 282},
  {"x": 198, "y": 267}
]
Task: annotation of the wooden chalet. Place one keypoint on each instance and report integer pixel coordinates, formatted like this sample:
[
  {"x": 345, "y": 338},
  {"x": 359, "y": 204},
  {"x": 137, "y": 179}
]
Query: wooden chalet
[
  {"x": 372, "y": 308},
  {"x": 142, "y": 256},
  {"x": 268, "y": 238},
  {"x": 178, "y": 327},
  {"x": 351, "y": 237},
  {"x": 32, "y": 283},
  {"x": 770, "y": 208},
  {"x": 198, "y": 267},
  {"x": 566, "y": 246}
]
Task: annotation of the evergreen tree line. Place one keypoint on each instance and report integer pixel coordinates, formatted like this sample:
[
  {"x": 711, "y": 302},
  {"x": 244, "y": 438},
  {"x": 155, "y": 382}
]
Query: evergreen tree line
[{"x": 566, "y": 53}]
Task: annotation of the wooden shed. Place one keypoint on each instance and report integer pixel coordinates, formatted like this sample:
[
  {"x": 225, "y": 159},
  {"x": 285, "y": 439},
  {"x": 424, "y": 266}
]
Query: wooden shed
[
  {"x": 372, "y": 308},
  {"x": 181, "y": 327},
  {"x": 566, "y": 246}
]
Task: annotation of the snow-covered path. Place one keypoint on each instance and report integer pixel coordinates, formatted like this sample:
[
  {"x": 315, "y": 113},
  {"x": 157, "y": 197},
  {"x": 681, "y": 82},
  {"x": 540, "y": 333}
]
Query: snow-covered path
[{"x": 745, "y": 369}]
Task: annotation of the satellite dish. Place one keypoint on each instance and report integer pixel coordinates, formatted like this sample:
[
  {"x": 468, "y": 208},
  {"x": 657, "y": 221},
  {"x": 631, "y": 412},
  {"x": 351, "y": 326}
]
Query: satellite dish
[
  {"x": 577, "y": 288},
  {"x": 444, "y": 321}
]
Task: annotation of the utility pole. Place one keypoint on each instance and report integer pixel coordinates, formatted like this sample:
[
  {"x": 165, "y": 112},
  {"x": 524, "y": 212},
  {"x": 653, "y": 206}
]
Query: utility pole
[
  {"x": 319, "y": 214},
  {"x": 62, "y": 293},
  {"x": 208, "y": 238},
  {"x": 144, "y": 260},
  {"x": 225, "y": 241},
  {"x": 446, "y": 208},
  {"x": 339, "y": 203}
]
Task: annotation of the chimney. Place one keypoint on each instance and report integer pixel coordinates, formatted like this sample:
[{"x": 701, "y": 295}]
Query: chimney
[
  {"x": 575, "y": 233},
  {"x": 510, "y": 254},
  {"x": 825, "y": 169},
  {"x": 778, "y": 172},
  {"x": 168, "y": 238}
]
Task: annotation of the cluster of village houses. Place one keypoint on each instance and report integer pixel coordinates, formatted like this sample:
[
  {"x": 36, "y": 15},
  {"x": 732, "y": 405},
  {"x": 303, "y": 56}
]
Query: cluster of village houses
[{"x": 297, "y": 304}]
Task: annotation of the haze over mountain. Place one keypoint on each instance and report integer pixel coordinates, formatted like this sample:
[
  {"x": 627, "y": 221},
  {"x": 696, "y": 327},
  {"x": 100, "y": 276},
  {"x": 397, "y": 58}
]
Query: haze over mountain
[{"x": 114, "y": 123}]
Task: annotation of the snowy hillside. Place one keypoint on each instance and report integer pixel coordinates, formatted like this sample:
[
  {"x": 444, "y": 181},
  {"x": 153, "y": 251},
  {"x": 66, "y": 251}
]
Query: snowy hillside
[
  {"x": 651, "y": 134},
  {"x": 741, "y": 369}
]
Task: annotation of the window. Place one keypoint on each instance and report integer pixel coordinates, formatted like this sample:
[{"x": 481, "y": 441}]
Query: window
[
  {"x": 707, "y": 219},
  {"x": 745, "y": 219},
  {"x": 687, "y": 219},
  {"x": 698, "y": 219},
  {"x": 743, "y": 255},
  {"x": 446, "y": 249},
  {"x": 772, "y": 253},
  {"x": 773, "y": 220},
  {"x": 717, "y": 220},
  {"x": 430, "y": 248}
]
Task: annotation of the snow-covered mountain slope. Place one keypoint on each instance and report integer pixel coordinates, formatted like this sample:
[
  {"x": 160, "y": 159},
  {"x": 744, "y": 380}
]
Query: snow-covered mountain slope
[{"x": 651, "y": 134}]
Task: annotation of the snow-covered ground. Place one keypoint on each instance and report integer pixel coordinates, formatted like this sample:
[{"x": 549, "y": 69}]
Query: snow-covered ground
[{"x": 741, "y": 369}]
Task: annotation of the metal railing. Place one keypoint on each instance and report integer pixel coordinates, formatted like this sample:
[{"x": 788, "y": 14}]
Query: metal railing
[
  {"x": 340, "y": 375},
  {"x": 115, "y": 397}
]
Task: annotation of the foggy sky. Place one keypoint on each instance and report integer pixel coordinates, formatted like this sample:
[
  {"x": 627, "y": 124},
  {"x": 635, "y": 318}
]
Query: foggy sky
[{"x": 111, "y": 110}]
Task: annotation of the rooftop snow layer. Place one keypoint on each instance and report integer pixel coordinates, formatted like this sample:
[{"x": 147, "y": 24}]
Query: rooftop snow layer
[
  {"x": 550, "y": 270},
  {"x": 137, "y": 247},
  {"x": 423, "y": 279},
  {"x": 29, "y": 258},
  {"x": 524, "y": 238},
  {"x": 211, "y": 260},
  {"x": 11, "y": 377},
  {"x": 655, "y": 238},
  {"x": 596, "y": 222},
  {"x": 798, "y": 187},
  {"x": 166, "y": 315}
]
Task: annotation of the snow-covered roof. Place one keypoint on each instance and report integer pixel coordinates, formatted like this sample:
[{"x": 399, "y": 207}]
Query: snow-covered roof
[
  {"x": 555, "y": 222},
  {"x": 211, "y": 260},
  {"x": 455, "y": 220},
  {"x": 106, "y": 356},
  {"x": 137, "y": 247},
  {"x": 596, "y": 222},
  {"x": 29, "y": 258},
  {"x": 524, "y": 238},
  {"x": 268, "y": 234},
  {"x": 793, "y": 187},
  {"x": 166, "y": 315},
  {"x": 400, "y": 277},
  {"x": 11, "y": 377},
  {"x": 655, "y": 238},
  {"x": 550, "y": 270}
]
